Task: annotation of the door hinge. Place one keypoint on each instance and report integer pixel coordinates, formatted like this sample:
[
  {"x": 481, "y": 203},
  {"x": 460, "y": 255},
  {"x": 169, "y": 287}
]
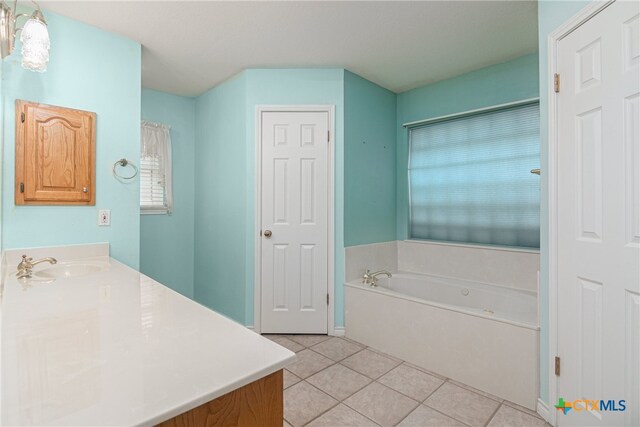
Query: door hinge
[
  {"x": 556, "y": 83},
  {"x": 327, "y": 299},
  {"x": 557, "y": 366},
  {"x": 22, "y": 187},
  {"x": 328, "y": 136},
  {"x": 22, "y": 117}
]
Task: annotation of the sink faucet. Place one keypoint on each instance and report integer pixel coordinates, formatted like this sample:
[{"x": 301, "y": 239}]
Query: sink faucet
[
  {"x": 371, "y": 279},
  {"x": 25, "y": 266}
]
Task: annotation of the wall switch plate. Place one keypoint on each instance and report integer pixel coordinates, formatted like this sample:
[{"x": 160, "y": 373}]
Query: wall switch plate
[{"x": 104, "y": 217}]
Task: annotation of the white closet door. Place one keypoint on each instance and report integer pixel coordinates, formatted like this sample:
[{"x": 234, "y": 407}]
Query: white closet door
[
  {"x": 599, "y": 217},
  {"x": 294, "y": 221}
]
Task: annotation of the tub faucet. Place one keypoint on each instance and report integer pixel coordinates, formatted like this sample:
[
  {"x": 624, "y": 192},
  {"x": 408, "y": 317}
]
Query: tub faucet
[
  {"x": 26, "y": 265},
  {"x": 371, "y": 279}
]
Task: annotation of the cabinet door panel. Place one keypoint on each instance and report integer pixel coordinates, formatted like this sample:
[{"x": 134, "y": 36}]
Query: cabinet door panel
[{"x": 55, "y": 151}]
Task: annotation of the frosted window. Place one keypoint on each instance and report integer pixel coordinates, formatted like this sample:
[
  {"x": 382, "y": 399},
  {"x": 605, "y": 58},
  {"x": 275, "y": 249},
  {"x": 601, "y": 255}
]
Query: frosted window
[{"x": 470, "y": 180}]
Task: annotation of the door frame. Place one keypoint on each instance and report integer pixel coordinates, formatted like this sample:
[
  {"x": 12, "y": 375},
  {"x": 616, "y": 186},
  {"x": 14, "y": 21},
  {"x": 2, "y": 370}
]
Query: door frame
[
  {"x": 553, "y": 40},
  {"x": 257, "y": 303}
]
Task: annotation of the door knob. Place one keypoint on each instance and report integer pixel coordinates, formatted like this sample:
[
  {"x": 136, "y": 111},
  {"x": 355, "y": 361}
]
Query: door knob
[{"x": 267, "y": 233}]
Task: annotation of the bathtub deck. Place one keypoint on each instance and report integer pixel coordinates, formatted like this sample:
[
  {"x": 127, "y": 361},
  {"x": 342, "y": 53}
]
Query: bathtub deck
[{"x": 336, "y": 381}]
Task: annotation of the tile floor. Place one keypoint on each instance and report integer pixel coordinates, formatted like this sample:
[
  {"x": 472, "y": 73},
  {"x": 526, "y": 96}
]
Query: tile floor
[{"x": 336, "y": 382}]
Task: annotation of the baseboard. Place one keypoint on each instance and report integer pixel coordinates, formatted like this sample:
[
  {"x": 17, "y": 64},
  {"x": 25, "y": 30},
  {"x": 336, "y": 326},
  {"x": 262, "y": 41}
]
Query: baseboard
[{"x": 543, "y": 410}]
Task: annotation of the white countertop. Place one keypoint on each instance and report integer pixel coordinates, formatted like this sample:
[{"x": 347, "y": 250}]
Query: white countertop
[{"x": 116, "y": 348}]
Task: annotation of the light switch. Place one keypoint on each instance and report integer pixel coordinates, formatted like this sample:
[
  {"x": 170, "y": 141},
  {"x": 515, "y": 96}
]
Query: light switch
[{"x": 104, "y": 217}]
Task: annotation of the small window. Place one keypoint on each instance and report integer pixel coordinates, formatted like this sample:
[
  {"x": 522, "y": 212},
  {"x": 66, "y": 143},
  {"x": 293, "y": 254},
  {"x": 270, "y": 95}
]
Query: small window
[
  {"x": 470, "y": 180},
  {"x": 155, "y": 169}
]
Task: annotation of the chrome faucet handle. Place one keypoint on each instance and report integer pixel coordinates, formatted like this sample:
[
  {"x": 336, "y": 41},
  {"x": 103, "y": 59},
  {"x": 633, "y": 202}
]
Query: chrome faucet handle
[
  {"x": 25, "y": 263},
  {"x": 24, "y": 268},
  {"x": 367, "y": 278}
]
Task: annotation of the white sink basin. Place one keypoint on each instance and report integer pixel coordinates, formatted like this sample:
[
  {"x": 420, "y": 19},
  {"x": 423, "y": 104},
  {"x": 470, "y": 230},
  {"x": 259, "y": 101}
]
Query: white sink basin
[{"x": 61, "y": 271}]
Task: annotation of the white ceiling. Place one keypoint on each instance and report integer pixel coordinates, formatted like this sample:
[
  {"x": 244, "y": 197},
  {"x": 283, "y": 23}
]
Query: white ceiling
[{"x": 191, "y": 46}]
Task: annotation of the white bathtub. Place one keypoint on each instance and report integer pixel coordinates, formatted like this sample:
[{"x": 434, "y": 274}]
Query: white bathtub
[{"x": 483, "y": 335}]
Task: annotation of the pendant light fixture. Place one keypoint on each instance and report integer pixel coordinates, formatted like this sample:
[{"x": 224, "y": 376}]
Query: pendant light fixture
[{"x": 34, "y": 36}]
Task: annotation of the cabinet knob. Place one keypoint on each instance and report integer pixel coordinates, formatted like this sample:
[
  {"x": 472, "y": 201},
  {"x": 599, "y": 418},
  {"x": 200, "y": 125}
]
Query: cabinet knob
[{"x": 85, "y": 190}]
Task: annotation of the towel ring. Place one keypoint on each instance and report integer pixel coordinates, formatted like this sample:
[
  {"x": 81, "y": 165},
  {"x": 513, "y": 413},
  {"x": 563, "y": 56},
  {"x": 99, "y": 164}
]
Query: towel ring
[{"x": 123, "y": 163}]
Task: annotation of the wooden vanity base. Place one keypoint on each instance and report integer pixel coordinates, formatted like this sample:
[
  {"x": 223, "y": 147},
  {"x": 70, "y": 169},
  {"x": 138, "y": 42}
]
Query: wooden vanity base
[{"x": 259, "y": 403}]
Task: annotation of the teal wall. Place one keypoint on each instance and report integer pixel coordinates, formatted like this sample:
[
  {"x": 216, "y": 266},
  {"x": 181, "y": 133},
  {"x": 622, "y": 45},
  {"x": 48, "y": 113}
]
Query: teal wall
[
  {"x": 225, "y": 180},
  {"x": 167, "y": 241},
  {"x": 93, "y": 70},
  {"x": 370, "y": 162},
  {"x": 510, "y": 81},
  {"x": 221, "y": 204},
  {"x": 551, "y": 14}
]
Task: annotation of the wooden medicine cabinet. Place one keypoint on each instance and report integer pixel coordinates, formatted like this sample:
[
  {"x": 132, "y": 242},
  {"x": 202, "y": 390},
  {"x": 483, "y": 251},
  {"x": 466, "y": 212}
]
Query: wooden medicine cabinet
[{"x": 55, "y": 155}]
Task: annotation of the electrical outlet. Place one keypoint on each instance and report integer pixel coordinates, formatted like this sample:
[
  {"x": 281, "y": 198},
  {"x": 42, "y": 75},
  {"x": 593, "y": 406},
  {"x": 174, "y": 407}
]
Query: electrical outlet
[{"x": 104, "y": 217}]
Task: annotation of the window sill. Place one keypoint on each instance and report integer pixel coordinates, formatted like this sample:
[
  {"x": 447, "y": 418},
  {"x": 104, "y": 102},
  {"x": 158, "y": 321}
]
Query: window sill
[
  {"x": 476, "y": 246},
  {"x": 155, "y": 212}
]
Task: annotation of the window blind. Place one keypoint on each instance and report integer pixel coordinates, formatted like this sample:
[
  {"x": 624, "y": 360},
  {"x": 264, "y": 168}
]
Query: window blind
[
  {"x": 470, "y": 180},
  {"x": 155, "y": 168},
  {"x": 151, "y": 183}
]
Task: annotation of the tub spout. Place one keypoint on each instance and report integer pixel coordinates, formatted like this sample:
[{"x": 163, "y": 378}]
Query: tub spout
[{"x": 371, "y": 279}]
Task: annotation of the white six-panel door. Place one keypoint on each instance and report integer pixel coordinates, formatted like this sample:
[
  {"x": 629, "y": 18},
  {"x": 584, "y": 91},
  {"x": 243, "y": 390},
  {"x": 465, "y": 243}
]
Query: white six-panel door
[
  {"x": 598, "y": 200},
  {"x": 294, "y": 217}
]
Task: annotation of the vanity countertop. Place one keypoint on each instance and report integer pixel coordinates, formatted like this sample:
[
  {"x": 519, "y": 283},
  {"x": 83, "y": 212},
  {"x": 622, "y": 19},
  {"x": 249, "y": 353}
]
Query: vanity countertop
[{"x": 114, "y": 347}]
